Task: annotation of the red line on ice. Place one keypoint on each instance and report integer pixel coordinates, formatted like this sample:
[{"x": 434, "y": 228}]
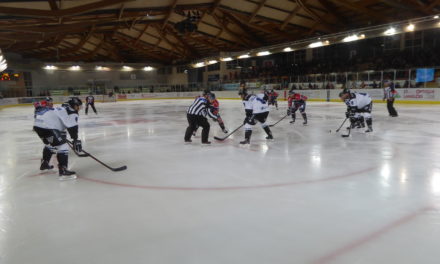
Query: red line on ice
[
  {"x": 373, "y": 235},
  {"x": 303, "y": 182}
]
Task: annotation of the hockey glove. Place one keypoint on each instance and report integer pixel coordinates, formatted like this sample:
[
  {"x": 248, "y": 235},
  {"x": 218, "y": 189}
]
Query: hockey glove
[
  {"x": 251, "y": 120},
  {"x": 289, "y": 111},
  {"x": 77, "y": 145}
]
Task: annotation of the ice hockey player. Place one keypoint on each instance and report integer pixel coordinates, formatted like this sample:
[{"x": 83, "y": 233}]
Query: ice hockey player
[
  {"x": 50, "y": 125},
  {"x": 295, "y": 102},
  {"x": 196, "y": 115},
  {"x": 359, "y": 106},
  {"x": 41, "y": 105},
  {"x": 273, "y": 98},
  {"x": 215, "y": 107},
  {"x": 90, "y": 100},
  {"x": 257, "y": 109}
]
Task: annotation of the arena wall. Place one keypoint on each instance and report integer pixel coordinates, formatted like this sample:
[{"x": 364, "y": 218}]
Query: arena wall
[{"x": 410, "y": 96}]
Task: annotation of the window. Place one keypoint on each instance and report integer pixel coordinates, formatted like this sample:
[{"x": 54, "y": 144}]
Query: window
[
  {"x": 391, "y": 43},
  {"x": 164, "y": 70},
  {"x": 230, "y": 65},
  {"x": 214, "y": 67},
  {"x": 299, "y": 56}
]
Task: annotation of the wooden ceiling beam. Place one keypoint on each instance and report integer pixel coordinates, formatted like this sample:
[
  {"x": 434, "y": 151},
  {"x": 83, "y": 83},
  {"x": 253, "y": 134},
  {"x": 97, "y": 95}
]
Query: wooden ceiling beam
[
  {"x": 359, "y": 8},
  {"x": 60, "y": 12},
  {"x": 53, "y": 5},
  {"x": 214, "y": 6},
  {"x": 141, "y": 47},
  {"x": 407, "y": 7},
  {"x": 331, "y": 9},
  {"x": 224, "y": 27},
  {"x": 291, "y": 15},
  {"x": 87, "y": 56},
  {"x": 143, "y": 44},
  {"x": 325, "y": 24},
  {"x": 204, "y": 41},
  {"x": 121, "y": 11},
  {"x": 431, "y": 6},
  {"x": 170, "y": 11},
  {"x": 246, "y": 30},
  {"x": 260, "y": 5},
  {"x": 266, "y": 29},
  {"x": 193, "y": 52},
  {"x": 272, "y": 27},
  {"x": 174, "y": 46},
  {"x": 141, "y": 33}
]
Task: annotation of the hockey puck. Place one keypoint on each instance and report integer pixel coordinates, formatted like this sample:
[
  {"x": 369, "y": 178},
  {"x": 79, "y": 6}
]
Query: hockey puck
[{"x": 330, "y": 131}]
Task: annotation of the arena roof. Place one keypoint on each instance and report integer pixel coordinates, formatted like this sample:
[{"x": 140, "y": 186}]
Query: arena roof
[{"x": 163, "y": 31}]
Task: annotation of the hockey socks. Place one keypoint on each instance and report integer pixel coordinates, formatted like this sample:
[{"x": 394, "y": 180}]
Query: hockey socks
[
  {"x": 268, "y": 132},
  {"x": 247, "y": 137}
]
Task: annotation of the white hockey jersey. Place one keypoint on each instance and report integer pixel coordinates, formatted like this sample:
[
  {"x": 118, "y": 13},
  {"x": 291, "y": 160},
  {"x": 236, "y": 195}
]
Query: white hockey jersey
[
  {"x": 359, "y": 101},
  {"x": 58, "y": 118},
  {"x": 257, "y": 103}
]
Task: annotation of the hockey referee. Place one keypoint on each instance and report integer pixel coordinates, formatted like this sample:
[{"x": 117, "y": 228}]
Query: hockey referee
[{"x": 196, "y": 116}]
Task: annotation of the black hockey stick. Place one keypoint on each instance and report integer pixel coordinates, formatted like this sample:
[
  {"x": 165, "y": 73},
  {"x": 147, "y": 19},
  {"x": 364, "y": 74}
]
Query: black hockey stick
[
  {"x": 78, "y": 154},
  {"x": 102, "y": 163},
  {"x": 278, "y": 121},
  {"x": 347, "y": 135},
  {"x": 223, "y": 138},
  {"x": 337, "y": 130}
]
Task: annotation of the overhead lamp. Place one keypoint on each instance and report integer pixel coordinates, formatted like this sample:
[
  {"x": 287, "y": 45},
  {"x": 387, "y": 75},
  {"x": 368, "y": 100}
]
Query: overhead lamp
[
  {"x": 436, "y": 17},
  {"x": 263, "y": 53},
  {"x": 127, "y": 68},
  {"x": 75, "y": 68},
  {"x": 318, "y": 44},
  {"x": 226, "y": 59},
  {"x": 100, "y": 68},
  {"x": 199, "y": 64},
  {"x": 148, "y": 68},
  {"x": 390, "y": 31},
  {"x": 288, "y": 49},
  {"x": 353, "y": 38},
  {"x": 244, "y": 56},
  {"x": 212, "y": 62},
  {"x": 410, "y": 27},
  {"x": 50, "y": 67}
]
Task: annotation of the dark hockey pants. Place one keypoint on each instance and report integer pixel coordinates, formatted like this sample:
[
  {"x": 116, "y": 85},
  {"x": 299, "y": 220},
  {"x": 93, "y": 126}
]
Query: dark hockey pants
[
  {"x": 194, "y": 121},
  {"x": 391, "y": 110},
  {"x": 93, "y": 107}
]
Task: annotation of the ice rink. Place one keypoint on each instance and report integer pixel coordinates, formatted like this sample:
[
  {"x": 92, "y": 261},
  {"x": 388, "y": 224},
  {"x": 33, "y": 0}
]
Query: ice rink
[{"x": 309, "y": 196}]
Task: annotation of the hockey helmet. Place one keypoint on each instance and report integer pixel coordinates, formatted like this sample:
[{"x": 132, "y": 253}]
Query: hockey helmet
[
  {"x": 212, "y": 96},
  {"x": 243, "y": 92},
  {"x": 74, "y": 101},
  {"x": 345, "y": 91},
  {"x": 48, "y": 99},
  {"x": 206, "y": 92}
]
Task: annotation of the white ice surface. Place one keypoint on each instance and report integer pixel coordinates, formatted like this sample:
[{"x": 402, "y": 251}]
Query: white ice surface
[{"x": 309, "y": 196}]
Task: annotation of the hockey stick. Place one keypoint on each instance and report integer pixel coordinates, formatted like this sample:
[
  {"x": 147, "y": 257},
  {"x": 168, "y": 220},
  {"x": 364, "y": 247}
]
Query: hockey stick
[
  {"x": 102, "y": 163},
  {"x": 78, "y": 154},
  {"x": 278, "y": 121},
  {"x": 337, "y": 130},
  {"x": 349, "y": 130},
  {"x": 223, "y": 138}
]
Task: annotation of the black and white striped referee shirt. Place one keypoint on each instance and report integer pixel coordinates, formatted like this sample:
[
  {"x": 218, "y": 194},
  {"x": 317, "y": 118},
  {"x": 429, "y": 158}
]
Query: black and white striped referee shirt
[{"x": 200, "y": 106}]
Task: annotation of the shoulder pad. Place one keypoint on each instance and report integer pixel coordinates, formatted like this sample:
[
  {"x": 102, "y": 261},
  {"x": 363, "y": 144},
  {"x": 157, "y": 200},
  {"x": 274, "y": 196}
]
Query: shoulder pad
[{"x": 70, "y": 110}]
